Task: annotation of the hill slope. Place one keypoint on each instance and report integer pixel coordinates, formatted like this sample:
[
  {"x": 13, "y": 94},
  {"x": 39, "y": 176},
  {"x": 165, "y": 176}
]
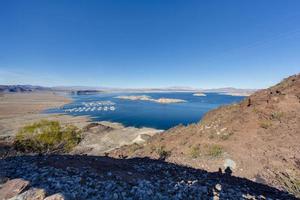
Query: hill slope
[
  {"x": 95, "y": 177},
  {"x": 257, "y": 138}
]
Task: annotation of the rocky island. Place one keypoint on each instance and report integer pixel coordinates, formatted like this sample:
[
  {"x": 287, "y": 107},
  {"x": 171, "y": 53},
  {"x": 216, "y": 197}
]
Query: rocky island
[
  {"x": 148, "y": 98},
  {"x": 199, "y": 94}
]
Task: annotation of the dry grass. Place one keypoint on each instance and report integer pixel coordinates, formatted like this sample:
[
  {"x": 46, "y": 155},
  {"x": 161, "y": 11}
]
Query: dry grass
[
  {"x": 195, "y": 152},
  {"x": 214, "y": 151},
  {"x": 265, "y": 124}
]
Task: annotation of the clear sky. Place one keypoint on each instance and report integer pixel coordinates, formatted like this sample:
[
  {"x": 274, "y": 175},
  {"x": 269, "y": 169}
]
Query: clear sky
[{"x": 149, "y": 43}]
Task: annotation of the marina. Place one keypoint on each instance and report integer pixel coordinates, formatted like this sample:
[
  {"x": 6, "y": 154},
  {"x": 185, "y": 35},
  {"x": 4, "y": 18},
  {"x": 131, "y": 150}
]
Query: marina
[{"x": 93, "y": 106}]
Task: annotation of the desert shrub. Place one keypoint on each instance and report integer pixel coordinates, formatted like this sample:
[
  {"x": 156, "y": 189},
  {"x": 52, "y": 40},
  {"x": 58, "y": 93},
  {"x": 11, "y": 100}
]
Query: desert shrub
[
  {"x": 265, "y": 124},
  {"x": 277, "y": 115},
  {"x": 215, "y": 150},
  {"x": 183, "y": 142},
  {"x": 255, "y": 110},
  {"x": 89, "y": 126},
  {"x": 226, "y": 136},
  {"x": 211, "y": 136},
  {"x": 162, "y": 152},
  {"x": 134, "y": 147},
  {"x": 290, "y": 183},
  {"x": 152, "y": 148},
  {"x": 47, "y": 136},
  {"x": 195, "y": 152}
]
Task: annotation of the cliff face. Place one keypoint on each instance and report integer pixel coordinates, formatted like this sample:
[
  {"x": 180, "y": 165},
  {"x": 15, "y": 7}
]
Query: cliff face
[{"x": 258, "y": 138}]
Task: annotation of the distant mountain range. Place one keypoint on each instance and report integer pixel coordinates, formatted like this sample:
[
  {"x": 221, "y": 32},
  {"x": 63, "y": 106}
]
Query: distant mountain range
[
  {"x": 22, "y": 88},
  {"x": 87, "y": 89}
]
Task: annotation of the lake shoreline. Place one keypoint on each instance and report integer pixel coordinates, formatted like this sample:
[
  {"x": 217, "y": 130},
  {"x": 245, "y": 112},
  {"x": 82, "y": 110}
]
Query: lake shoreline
[
  {"x": 29, "y": 108},
  {"x": 138, "y": 111}
]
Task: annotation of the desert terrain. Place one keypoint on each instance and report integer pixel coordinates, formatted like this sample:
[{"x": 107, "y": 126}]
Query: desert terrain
[
  {"x": 248, "y": 150},
  {"x": 20, "y": 109}
]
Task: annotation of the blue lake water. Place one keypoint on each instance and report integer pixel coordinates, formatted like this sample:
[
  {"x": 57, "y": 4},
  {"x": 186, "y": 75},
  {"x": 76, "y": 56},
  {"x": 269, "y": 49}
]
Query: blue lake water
[{"x": 105, "y": 107}]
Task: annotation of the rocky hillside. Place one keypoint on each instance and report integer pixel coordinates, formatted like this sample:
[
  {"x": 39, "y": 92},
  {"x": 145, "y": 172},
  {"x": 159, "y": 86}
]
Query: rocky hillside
[
  {"x": 257, "y": 138},
  {"x": 59, "y": 177}
]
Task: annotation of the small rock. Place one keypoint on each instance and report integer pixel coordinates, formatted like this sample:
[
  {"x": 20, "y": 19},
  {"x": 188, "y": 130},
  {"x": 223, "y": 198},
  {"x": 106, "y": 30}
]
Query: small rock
[
  {"x": 115, "y": 196},
  {"x": 216, "y": 197},
  {"x": 218, "y": 187},
  {"x": 32, "y": 194},
  {"x": 55, "y": 197}
]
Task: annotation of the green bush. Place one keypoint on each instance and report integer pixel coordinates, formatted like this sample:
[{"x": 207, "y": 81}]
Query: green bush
[
  {"x": 215, "y": 151},
  {"x": 47, "y": 136}
]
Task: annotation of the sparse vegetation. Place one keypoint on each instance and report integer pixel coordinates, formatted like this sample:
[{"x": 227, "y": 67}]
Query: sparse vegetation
[
  {"x": 215, "y": 151},
  {"x": 162, "y": 152},
  {"x": 290, "y": 183},
  {"x": 226, "y": 136},
  {"x": 47, "y": 136},
  {"x": 152, "y": 148},
  {"x": 255, "y": 110},
  {"x": 195, "y": 152},
  {"x": 211, "y": 136},
  {"x": 183, "y": 142},
  {"x": 265, "y": 124},
  {"x": 134, "y": 147},
  {"x": 277, "y": 116}
]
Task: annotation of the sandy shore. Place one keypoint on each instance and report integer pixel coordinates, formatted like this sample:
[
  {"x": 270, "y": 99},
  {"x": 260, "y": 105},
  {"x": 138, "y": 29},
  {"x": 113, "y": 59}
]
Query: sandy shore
[
  {"x": 20, "y": 109},
  {"x": 18, "y": 104}
]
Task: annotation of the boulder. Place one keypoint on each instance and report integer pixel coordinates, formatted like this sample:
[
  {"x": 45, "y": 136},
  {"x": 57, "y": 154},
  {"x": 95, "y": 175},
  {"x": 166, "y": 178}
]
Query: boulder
[{"x": 12, "y": 188}]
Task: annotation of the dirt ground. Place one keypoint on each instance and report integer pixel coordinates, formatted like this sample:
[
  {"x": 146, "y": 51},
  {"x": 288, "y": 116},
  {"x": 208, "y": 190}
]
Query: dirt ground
[{"x": 19, "y": 109}]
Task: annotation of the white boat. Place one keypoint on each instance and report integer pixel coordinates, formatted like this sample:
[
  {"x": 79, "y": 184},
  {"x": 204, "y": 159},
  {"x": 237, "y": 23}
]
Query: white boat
[
  {"x": 105, "y": 108},
  {"x": 112, "y": 108}
]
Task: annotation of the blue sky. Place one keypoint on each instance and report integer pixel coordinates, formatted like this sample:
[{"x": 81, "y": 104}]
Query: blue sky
[{"x": 117, "y": 43}]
